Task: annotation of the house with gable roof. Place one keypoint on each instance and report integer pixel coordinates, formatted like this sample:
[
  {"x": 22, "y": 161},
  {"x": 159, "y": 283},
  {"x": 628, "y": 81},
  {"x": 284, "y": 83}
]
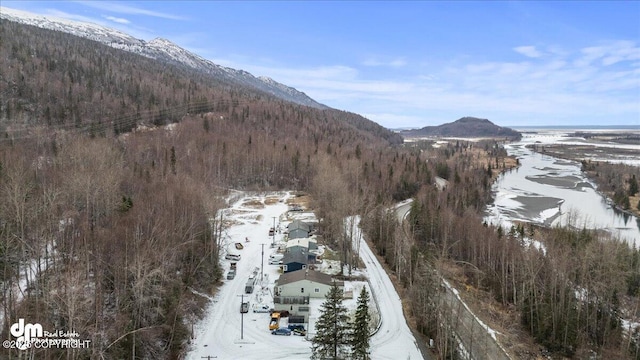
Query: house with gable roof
[
  {"x": 293, "y": 290},
  {"x": 296, "y": 259},
  {"x": 298, "y": 229}
]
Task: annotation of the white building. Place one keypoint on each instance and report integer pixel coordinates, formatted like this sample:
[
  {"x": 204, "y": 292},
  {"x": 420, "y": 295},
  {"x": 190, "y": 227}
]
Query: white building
[{"x": 294, "y": 289}]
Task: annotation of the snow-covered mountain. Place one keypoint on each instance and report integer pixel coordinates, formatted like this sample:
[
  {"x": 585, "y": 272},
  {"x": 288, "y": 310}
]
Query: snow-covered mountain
[{"x": 161, "y": 50}]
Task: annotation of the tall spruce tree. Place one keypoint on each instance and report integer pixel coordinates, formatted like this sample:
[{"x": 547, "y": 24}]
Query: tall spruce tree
[
  {"x": 633, "y": 186},
  {"x": 332, "y": 337},
  {"x": 360, "y": 328}
]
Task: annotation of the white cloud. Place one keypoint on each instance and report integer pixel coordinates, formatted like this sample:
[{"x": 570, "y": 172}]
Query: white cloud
[
  {"x": 398, "y": 63},
  {"x": 395, "y": 121},
  {"x": 117, "y": 20},
  {"x": 120, "y": 24},
  {"x": 375, "y": 62},
  {"x": 609, "y": 53},
  {"x": 65, "y": 15},
  {"x": 123, "y": 8},
  {"x": 562, "y": 86},
  {"x": 528, "y": 51}
]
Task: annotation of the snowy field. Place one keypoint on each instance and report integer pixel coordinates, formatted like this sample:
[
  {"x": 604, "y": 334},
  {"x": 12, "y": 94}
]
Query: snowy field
[{"x": 224, "y": 334}]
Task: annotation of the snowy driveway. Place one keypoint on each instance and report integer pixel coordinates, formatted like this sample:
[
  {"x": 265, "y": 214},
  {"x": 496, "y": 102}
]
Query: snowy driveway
[{"x": 219, "y": 333}]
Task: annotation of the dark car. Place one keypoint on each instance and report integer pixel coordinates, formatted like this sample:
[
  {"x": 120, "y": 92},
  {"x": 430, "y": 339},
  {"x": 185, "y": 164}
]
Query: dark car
[
  {"x": 281, "y": 331},
  {"x": 231, "y": 274},
  {"x": 244, "y": 307},
  {"x": 297, "y": 329}
]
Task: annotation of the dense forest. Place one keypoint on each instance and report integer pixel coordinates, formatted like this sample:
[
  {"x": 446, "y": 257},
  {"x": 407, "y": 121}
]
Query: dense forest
[
  {"x": 618, "y": 181},
  {"x": 568, "y": 288},
  {"x": 113, "y": 168}
]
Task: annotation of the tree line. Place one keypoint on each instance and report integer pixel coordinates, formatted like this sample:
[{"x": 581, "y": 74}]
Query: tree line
[{"x": 618, "y": 181}]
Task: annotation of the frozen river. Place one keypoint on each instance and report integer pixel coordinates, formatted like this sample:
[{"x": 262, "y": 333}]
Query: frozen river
[{"x": 552, "y": 191}]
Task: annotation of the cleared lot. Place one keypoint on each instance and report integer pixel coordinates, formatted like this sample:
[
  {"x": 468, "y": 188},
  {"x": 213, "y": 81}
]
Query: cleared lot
[
  {"x": 220, "y": 334},
  {"x": 224, "y": 334}
]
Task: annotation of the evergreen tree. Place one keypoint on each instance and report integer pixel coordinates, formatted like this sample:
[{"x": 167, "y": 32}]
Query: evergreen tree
[
  {"x": 633, "y": 186},
  {"x": 626, "y": 203},
  {"x": 360, "y": 329},
  {"x": 332, "y": 329},
  {"x": 173, "y": 160}
]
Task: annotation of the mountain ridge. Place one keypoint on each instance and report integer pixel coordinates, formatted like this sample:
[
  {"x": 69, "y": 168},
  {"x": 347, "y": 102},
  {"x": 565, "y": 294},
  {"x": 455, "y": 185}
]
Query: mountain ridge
[
  {"x": 467, "y": 126},
  {"x": 160, "y": 49}
]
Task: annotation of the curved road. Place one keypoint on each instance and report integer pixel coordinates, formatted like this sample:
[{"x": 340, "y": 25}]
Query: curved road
[{"x": 394, "y": 339}]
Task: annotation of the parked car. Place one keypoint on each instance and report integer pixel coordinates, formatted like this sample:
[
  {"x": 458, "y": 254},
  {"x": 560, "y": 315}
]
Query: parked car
[
  {"x": 276, "y": 258},
  {"x": 281, "y": 331},
  {"x": 244, "y": 308},
  {"x": 235, "y": 257},
  {"x": 295, "y": 207},
  {"x": 295, "y": 326},
  {"x": 261, "y": 308},
  {"x": 231, "y": 274},
  {"x": 239, "y": 246},
  {"x": 272, "y": 231},
  {"x": 297, "y": 329},
  {"x": 299, "y": 332}
]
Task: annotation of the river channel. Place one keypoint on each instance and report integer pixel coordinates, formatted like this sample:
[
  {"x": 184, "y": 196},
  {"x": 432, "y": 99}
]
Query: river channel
[{"x": 555, "y": 192}]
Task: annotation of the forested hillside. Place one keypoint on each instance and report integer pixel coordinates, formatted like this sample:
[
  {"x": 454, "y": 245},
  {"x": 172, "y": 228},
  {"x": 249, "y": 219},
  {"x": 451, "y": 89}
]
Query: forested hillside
[
  {"x": 469, "y": 127},
  {"x": 57, "y": 79}
]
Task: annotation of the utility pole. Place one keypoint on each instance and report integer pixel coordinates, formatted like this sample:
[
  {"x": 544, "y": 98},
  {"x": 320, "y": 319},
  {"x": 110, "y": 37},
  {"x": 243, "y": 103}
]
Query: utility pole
[
  {"x": 262, "y": 265},
  {"x": 273, "y": 237},
  {"x": 241, "y": 317}
]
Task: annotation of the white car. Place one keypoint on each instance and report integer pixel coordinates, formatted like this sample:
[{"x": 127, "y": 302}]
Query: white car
[
  {"x": 275, "y": 262},
  {"x": 276, "y": 255},
  {"x": 261, "y": 308}
]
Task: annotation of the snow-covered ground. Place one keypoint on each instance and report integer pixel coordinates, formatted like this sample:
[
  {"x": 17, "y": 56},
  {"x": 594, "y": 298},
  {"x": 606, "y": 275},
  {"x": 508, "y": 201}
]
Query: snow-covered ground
[
  {"x": 28, "y": 274},
  {"x": 224, "y": 334}
]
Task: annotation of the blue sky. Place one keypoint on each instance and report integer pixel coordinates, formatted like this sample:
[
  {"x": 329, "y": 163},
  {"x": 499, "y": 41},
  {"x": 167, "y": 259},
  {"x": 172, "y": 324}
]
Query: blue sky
[{"x": 412, "y": 63}]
